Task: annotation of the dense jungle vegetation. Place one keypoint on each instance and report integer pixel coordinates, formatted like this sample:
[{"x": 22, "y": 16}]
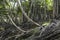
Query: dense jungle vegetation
[{"x": 29, "y": 19}]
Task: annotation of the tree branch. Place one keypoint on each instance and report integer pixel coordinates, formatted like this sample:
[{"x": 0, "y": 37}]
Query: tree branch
[
  {"x": 25, "y": 14},
  {"x": 15, "y": 24}
]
